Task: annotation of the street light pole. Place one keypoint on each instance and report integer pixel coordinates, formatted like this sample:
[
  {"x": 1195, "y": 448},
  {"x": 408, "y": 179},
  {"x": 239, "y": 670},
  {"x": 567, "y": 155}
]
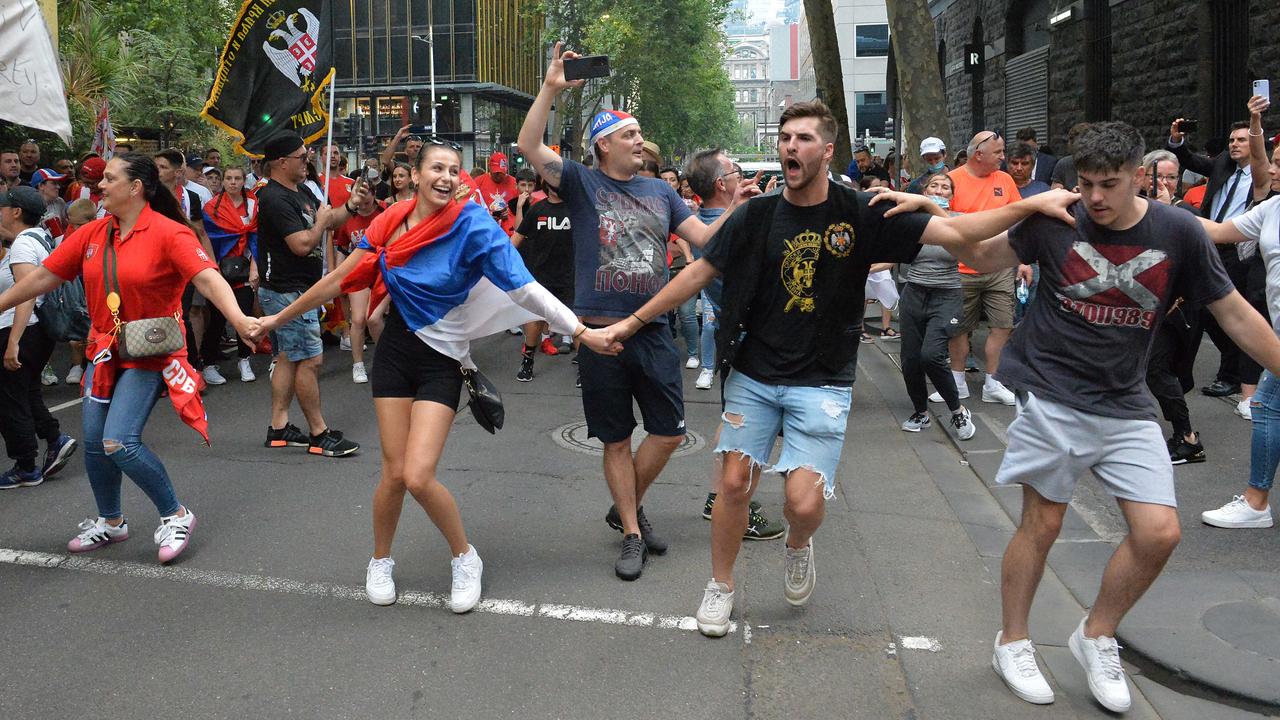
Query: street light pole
[{"x": 430, "y": 40}]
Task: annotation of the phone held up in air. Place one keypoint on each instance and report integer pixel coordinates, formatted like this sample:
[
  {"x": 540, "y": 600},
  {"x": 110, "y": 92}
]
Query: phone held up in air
[
  {"x": 1263, "y": 88},
  {"x": 588, "y": 66},
  {"x": 1188, "y": 126}
]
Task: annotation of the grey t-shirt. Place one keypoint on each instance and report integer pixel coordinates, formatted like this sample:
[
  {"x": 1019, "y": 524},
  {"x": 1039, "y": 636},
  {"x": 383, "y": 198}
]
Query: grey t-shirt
[
  {"x": 933, "y": 267},
  {"x": 1085, "y": 340}
]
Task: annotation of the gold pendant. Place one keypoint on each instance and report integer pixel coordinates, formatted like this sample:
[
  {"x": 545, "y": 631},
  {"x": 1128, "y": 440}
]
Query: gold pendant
[{"x": 113, "y": 302}]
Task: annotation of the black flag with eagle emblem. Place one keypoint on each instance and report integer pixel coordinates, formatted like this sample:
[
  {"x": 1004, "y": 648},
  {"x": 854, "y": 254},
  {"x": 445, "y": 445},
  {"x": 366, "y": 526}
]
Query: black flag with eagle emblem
[{"x": 273, "y": 72}]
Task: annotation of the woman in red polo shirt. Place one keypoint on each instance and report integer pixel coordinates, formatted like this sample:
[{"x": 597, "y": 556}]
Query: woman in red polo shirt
[{"x": 139, "y": 258}]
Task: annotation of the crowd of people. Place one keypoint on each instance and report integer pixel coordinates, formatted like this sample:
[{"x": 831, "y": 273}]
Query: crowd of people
[{"x": 1094, "y": 276}]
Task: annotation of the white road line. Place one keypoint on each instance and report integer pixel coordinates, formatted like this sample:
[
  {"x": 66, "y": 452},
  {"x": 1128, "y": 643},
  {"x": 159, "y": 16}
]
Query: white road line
[
  {"x": 263, "y": 583},
  {"x": 65, "y": 405}
]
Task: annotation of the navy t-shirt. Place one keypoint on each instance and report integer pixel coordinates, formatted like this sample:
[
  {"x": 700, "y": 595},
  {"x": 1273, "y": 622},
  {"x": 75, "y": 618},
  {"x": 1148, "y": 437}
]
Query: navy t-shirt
[{"x": 620, "y": 230}]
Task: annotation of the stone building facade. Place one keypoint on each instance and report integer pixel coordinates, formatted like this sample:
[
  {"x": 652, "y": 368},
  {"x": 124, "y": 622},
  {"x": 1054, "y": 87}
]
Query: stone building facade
[{"x": 1145, "y": 62}]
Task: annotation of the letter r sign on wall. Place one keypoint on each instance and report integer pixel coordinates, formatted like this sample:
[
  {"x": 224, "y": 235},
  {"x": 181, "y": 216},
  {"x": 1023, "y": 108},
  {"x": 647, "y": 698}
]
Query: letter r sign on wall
[{"x": 973, "y": 57}]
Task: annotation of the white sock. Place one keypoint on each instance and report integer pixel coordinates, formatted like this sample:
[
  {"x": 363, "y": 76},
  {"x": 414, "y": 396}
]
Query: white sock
[
  {"x": 959, "y": 376},
  {"x": 991, "y": 381}
]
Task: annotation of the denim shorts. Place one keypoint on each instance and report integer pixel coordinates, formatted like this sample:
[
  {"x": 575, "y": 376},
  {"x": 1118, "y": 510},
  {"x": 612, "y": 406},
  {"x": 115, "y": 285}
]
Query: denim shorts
[
  {"x": 812, "y": 421},
  {"x": 298, "y": 339}
]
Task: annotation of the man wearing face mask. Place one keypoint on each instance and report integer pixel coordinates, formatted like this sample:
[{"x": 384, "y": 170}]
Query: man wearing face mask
[{"x": 934, "y": 154}]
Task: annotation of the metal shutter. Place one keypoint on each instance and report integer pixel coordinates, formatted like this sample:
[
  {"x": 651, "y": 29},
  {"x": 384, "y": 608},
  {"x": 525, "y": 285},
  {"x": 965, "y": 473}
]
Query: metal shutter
[{"x": 1026, "y": 93}]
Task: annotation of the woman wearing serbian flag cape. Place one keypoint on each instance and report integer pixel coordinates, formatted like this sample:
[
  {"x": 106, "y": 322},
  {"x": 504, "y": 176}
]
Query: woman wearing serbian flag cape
[
  {"x": 231, "y": 222},
  {"x": 452, "y": 276},
  {"x": 135, "y": 263}
]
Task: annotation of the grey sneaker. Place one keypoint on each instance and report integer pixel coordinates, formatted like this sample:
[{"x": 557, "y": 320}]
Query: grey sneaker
[
  {"x": 917, "y": 422},
  {"x": 800, "y": 575},
  {"x": 713, "y": 613}
]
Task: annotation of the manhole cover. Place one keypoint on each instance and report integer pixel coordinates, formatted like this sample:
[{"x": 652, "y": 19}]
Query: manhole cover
[{"x": 574, "y": 437}]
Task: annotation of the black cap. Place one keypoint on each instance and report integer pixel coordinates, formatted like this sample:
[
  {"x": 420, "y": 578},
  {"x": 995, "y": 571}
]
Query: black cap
[
  {"x": 195, "y": 161},
  {"x": 281, "y": 145},
  {"x": 22, "y": 196}
]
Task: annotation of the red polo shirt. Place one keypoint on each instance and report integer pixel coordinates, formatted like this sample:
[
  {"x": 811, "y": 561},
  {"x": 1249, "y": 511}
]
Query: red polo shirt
[{"x": 154, "y": 264}]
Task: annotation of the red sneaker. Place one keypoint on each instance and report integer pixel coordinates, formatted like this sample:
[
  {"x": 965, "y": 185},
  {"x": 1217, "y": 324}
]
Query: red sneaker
[{"x": 548, "y": 347}]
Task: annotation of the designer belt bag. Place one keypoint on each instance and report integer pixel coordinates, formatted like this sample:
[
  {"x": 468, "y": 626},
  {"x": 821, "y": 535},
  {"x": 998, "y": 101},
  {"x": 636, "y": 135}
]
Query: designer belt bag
[{"x": 147, "y": 337}]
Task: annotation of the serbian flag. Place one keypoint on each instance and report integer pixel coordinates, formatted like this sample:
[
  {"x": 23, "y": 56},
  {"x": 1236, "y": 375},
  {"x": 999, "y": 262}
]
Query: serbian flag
[
  {"x": 104, "y": 138},
  {"x": 453, "y": 277},
  {"x": 229, "y": 229}
]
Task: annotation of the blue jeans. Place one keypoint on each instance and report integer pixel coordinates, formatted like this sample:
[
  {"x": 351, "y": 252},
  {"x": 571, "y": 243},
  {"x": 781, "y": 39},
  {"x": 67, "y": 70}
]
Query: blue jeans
[
  {"x": 687, "y": 314},
  {"x": 709, "y": 325},
  {"x": 121, "y": 420},
  {"x": 1264, "y": 450}
]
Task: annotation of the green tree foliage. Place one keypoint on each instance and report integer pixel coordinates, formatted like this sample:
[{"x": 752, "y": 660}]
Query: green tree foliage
[{"x": 667, "y": 58}]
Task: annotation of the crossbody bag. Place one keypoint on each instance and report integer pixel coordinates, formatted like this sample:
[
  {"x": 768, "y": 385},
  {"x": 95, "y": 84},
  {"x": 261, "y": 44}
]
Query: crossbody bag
[{"x": 147, "y": 337}]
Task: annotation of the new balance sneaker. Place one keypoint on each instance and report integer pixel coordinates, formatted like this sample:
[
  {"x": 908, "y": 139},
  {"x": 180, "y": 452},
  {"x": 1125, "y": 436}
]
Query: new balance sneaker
[
  {"x": 48, "y": 376},
  {"x": 711, "y": 503},
  {"x": 467, "y": 569},
  {"x": 15, "y": 478},
  {"x": 287, "y": 436},
  {"x": 705, "y": 379},
  {"x": 96, "y": 533},
  {"x": 917, "y": 422},
  {"x": 379, "y": 586},
  {"x": 800, "y": 575},
  {"x": 1238, "y": 514},
  {"x": 713, "y": 613},
  {"x": 1182, "y": 452},
  {"x": 962, "y": 421},
  {"x": 330, "y": 443},
  {"x": 1015, "y": 663},
  {"x": 632, "y": 558},
  {"x": 173, "y": 534},
  {"x": 57, "y": 455},
  {"x": 693, "y": 363},
  {"x": 358, "y": 375},
  {"x": 246, "y": 371},
  {"x": 548, "y": 348},
  {"x": 212, "y": 376},
  {"x": 1100, "y": 658},
  {"x": 655, "y": 544},
  {"x": 74, "y": 374},
  {"x": 525, "y": 374},
  {"x": 993, "y": 391},
  {"x": 760, "y": 527}
]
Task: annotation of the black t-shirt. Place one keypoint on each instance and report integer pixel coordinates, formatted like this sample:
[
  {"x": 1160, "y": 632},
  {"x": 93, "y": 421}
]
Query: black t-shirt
[
  {"x": 547, "y": 247},
  {"x": 282, "y": 212},
  {"x": 780, "y": 347},
  {"x": 1085, "y": 340}
]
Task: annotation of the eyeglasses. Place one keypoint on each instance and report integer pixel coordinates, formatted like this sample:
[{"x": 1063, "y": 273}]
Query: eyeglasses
[
  {"x": 727, "y": 174},
  {"x": 994, "y": 134},
  {"x": 433, "y": 140}
]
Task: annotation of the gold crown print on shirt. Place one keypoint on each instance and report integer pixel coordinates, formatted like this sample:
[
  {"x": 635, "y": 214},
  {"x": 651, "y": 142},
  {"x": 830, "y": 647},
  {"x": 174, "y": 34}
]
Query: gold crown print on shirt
[{"x": 799, "y": 258}]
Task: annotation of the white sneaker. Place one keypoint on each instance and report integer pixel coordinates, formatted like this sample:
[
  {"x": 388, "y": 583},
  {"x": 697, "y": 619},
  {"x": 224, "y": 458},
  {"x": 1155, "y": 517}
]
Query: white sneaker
[
  {"x": 378, "y": 584},
  {"x": 800, "y": 575},
  {"x": 962, "y": 421},
  {"x": 713, "y": 613},
  {"x": 705, "y": 379},
  {"x": 48, "y": 376},
  {"x": 692, "y": 363},
  {"x": 345, "y": 344},
  {"x": 173, "y": 534},
  {"x": 74, "y": 374},
  {"x": 1242, "y": 409},
  {"x": 1100, "y": 658},
  {"x": 467, "y": 569},
  {"x": 1015, "y": 663},
  {"x": 358, "y": 375},
  {"x": 212, "y": 376},
  {"x": 246, "y": 371},
  {"x": 993, "y": 391},
  {"x": 1237, "y": 514}
]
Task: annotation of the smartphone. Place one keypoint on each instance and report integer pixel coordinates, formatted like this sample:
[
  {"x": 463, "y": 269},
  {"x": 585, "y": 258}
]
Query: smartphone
[
  {"x": 420, "y": 129},
  {"x": 589, "y": 66},
  {"x": 1188, "y": 126},
  {"x": 1263, "y": 88}
]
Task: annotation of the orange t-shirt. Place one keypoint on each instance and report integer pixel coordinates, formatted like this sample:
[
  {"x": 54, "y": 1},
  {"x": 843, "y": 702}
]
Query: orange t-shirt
[
  {"x": 975, "y": 194},
  {"x": 1195, "y": 196}
]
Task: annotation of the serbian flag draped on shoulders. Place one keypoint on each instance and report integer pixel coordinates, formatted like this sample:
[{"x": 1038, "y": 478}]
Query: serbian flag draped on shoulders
[
  {"x": 454, "y": 277},
  {"x": 232, "y": 230}
]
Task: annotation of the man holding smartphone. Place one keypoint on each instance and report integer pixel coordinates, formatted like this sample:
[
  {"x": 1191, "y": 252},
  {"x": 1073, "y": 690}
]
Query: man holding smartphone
[{"x": 620, "y": 224}]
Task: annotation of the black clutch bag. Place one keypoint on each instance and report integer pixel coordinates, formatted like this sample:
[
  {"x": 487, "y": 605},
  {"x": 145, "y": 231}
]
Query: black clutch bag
[
  {"x": 486, "y": 403},
  {"x": 234, "y": 269}
]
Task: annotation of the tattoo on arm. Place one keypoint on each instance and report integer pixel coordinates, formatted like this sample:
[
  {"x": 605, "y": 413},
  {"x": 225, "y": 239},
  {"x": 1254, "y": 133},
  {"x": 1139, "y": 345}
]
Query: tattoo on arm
[{"x": 552, "y": 171}]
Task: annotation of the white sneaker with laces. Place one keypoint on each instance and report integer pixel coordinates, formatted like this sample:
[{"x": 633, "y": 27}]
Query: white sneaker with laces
[
  {"x": 1015, "y": 663},
  {"x": 467, "y": 569},
  {"x": 378, "y": 583},
  {"x": 358, "y": 375},
  {"x": 800, "y": 575},
  {"x": 96, "y": 533},
  {"x": 173, "y": 534},
  {"x": 212, "y": 376},
  {"x": 993, "y": 391},
  {"x": 1237, "y": 514},
  {"x": 705, "y": 379},
  {"x": 962, "y": 421},
  {"x": 692, "y": 363},
  {"x": 345, "y": 344},
  {"x": 246, "y": 371},
  {"x": 1242, "y": 409},
  {"x": 713, "y": 613},
  {"x": 1100, "y": 658},
  {"x": 48, "y": 376},
  {"x": 74, "y": 374}
]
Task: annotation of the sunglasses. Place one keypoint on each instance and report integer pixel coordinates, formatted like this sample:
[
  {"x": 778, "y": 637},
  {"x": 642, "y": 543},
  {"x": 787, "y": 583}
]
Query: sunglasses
[
  {"x": 992, "y": 136},
  {"x": 433, "y": 140}
]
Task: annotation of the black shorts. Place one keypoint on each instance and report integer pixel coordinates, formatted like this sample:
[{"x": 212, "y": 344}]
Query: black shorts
[
  {"x": 406, "y": 367},
  {"x": 648, "y": 371}
]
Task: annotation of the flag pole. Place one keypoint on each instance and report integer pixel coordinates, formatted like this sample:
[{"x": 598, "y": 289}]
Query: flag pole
[{"x": 328, "y": 172}]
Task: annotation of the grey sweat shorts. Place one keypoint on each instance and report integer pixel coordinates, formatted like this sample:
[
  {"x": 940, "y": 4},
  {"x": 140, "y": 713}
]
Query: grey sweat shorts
[{"x": 1052, "y": 445}]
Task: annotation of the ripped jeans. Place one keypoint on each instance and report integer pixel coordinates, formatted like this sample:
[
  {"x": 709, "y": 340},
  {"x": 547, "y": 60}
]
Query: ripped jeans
[
  {"x": 812, "y": 421},
  {"x": 1264, "y": 452},
  {"x": 121, "y": 421}
]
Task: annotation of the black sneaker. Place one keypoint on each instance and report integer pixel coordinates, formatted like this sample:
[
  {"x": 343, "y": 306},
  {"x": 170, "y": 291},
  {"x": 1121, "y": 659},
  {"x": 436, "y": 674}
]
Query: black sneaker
[
  {"x": 1186, "y": 453},
  {"x": 655, "y": 544},
  {"x": 288, "y": 436},
  {"x": 761, "y": 528},
  {"x": 711, "y": 503},
  {"x": 526, "y": 369},
  {"x": 631, "y": 562},
  {"x": 330, "y": 443}
]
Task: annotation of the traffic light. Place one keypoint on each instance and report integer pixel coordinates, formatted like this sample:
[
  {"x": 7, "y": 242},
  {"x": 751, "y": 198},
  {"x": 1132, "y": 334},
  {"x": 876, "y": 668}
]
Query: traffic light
[
  {"x": 369, "y": 144},
  {"x": 352, "y": 126},
  {"x": 889, "y": 128}
]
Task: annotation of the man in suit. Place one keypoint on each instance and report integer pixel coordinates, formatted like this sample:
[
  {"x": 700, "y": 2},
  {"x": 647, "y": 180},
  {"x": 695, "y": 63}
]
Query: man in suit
[
  {"x": 1227, "y": 196},
  {"x": 1042, "y": 169}
]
